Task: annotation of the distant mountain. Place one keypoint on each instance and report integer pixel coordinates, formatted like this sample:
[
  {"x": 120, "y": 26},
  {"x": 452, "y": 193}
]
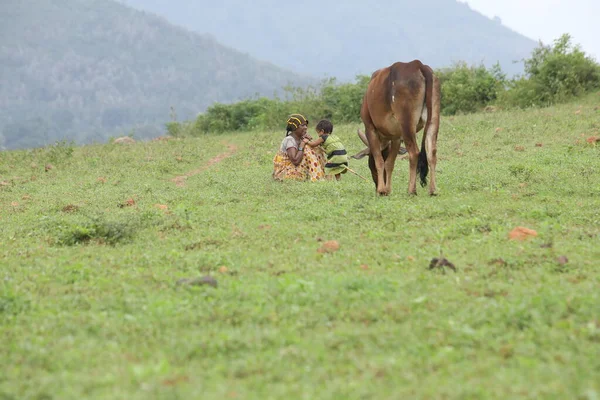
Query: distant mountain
[
  {"x": 345, "y": 38},
  {"x": 88, "y": 69}
]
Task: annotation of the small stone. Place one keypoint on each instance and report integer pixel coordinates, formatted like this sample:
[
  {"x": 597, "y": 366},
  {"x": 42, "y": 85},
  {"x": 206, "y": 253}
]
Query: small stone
[
  {"x": 330, "y": 246},
  {"x": 562, "y": 260},
  {"x": 521, "y": 233},
  {"x": 593, "y": 139},
  {"x": 124, "y": 140},
  {"x": 127, "y": 203},
  {"x": 70, "y": 208}
]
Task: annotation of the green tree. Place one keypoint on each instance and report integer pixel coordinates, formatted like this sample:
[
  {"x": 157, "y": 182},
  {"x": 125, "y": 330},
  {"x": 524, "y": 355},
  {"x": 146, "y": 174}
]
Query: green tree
[{"x": 553, "y": 74}]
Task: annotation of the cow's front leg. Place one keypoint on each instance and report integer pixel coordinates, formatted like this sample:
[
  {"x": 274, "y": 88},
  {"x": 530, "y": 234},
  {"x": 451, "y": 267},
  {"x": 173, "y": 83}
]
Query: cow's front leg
[
  {"x": 390, "y": 161},
  {"x": 375, "y": 146},
  {"x": 413, "y": 157}
]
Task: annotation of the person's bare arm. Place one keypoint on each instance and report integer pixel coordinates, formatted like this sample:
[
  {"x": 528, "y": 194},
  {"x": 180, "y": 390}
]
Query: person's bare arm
[
  {"x": 296, "y": 155},
  {"x": 316, "y": 142}
]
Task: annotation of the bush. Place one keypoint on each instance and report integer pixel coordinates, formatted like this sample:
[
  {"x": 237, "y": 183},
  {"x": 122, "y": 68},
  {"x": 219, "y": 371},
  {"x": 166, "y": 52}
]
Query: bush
[
  {"x": 343, "y": 102},
  {"x": 468, "y": 89},
  {"x": 553, "y": 74},
  {"x": 244, "y": 115},
  {"x": 60, "y": 151},
  {"x": 97, "y": 229},
  {"x": 182, "y": 129}
]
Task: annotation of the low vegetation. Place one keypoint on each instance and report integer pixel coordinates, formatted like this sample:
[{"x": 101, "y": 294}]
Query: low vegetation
[{"x": 553, "y": 74}]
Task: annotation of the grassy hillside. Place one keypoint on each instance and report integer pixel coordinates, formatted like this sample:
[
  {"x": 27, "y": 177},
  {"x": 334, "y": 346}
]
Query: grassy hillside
[
  {"x": 95, "y": 239},
  {"x": 89, "y": 69},
  {"x": 345, "y": 39}
]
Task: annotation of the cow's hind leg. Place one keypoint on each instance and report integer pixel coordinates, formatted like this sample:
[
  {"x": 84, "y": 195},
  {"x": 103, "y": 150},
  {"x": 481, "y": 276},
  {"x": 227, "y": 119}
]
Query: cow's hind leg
[
  {"x": 413, "y": 158},
  {"x": 430, "y": 134},
  {"x": 428, "y": 158},
  {"x": 429, "y": 146}
]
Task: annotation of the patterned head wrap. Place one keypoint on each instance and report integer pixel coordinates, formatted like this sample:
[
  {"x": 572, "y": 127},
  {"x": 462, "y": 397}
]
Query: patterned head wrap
[{"x": 294, "y": 121}]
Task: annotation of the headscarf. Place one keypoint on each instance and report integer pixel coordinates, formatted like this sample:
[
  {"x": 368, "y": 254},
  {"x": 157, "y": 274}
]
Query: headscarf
[{"x": 294, "y": 121}]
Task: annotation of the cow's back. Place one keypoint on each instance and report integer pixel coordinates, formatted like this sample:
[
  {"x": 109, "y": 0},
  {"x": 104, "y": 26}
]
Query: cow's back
[{"x": 395, "y": 97}]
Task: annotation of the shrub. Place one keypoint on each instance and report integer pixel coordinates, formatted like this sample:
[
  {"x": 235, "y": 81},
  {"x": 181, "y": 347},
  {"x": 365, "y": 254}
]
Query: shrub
[
  {"x": 181, "y": 129},
  {"x": 244, "y": 115},
  {"x": 468, "y": 89},
  {"x": 553, "y": 74},
  {"x": 343, "y": 102},
  {"x": 98, "y": 229},
  {"x": 60, "y": 151}
]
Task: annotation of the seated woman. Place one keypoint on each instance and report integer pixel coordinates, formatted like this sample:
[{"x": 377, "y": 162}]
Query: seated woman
[{"x": 295, "y": 160}]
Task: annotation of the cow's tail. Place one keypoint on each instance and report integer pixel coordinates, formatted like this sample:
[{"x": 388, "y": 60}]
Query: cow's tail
[{"x": 432, "y": 102}]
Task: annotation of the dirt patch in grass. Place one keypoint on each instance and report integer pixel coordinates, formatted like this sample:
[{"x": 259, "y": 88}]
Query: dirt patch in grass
[{"x": 180, "y": 180}]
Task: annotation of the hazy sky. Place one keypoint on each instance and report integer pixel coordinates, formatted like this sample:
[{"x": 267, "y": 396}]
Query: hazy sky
[{"x": 546, "y": 20}]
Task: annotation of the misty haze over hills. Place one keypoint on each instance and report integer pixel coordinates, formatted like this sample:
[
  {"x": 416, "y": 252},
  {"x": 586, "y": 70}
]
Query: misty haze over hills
[
  {"x": 86, "y": 70},
  {"x": 89, "y": 69},
  {"x": 343, "y": 39}
]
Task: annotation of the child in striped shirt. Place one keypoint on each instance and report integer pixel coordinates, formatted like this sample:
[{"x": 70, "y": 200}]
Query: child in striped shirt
[{"x": 337, "y": 158}]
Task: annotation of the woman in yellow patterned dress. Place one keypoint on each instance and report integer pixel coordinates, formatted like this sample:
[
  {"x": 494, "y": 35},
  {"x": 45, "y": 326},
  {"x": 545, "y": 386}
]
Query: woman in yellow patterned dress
[{"x": 295, "y": 160}]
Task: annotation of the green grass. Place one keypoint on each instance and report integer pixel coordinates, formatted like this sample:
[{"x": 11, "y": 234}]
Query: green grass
[{"x": 90, "y": 306}]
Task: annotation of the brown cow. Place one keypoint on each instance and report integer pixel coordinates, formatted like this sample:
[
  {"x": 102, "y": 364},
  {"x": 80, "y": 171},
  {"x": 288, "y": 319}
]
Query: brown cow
[{"x": 399, "y": 101}]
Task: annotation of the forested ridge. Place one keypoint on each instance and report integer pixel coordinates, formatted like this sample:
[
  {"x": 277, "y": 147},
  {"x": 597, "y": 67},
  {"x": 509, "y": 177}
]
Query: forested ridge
[{"x": 85, "y": 70}]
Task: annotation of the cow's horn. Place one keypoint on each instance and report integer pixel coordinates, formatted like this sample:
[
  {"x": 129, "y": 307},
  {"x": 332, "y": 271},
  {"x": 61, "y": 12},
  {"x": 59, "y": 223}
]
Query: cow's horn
[
  {"x": 362, "y": 137},
  {"x": 361, "y": 154}
]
